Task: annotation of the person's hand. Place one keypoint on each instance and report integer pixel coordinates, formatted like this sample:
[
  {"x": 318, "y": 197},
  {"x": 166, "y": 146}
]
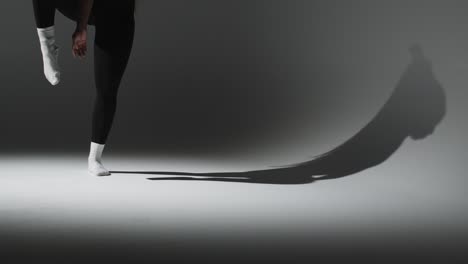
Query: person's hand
[{"x": 79, "y": 46}]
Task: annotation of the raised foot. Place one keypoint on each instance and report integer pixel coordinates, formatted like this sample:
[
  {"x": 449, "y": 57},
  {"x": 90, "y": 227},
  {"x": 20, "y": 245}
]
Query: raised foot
[{"x": 50, "y": 54}]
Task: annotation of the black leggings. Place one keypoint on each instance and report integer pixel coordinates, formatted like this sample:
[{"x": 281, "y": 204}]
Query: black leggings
[{"x": 115, "y": 27}]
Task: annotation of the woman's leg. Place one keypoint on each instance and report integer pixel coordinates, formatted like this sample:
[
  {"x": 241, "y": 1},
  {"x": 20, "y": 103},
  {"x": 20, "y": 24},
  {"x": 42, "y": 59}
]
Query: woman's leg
[
  {"x": 44, "y": 13},
  {"x": 115, "y": 26}
]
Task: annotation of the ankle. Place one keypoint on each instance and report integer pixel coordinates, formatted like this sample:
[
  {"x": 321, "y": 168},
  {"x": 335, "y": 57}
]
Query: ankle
[
  {"x": 95, "y": 152},
  {"x": 94, "y": 159}
]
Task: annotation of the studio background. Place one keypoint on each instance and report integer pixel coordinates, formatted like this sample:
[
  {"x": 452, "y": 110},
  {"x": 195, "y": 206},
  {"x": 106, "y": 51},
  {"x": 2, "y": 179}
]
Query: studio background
[
  {"x": 235, "y": 76},
  {"x": 246, "y": 84}
]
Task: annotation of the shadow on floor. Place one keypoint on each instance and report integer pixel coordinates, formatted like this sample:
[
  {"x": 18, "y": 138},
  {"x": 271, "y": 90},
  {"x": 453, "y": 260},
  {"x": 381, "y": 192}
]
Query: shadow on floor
[{"x": 416, "y": 106}]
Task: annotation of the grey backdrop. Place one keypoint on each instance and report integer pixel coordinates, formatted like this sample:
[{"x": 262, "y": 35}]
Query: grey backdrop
[
  {"x": 218, "y": 77},
  {"x": 250, "y": 83}
]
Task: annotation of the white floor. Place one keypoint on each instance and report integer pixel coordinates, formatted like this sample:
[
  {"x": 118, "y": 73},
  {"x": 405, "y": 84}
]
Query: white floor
[{"x": 401, "y": 202}]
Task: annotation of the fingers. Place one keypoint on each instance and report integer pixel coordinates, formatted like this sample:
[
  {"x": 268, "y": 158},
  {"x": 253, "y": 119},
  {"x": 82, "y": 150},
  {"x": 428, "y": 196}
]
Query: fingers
[
  {"x": 79, "y": 47},
  {"x": 80, "y": 53},
  {"x": 79, "y": 50}
]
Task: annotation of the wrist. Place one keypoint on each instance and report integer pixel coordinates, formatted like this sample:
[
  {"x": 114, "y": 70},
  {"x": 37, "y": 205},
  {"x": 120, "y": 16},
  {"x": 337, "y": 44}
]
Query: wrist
[{"x": 80, "y": 27}]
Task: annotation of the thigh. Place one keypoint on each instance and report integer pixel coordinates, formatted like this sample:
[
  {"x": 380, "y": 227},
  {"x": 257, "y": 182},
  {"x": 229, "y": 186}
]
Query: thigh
[
  {"x": 116, "y": 12},
  {"x": 114, "y": 23},
  {"x": 71, "y": 9}
]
